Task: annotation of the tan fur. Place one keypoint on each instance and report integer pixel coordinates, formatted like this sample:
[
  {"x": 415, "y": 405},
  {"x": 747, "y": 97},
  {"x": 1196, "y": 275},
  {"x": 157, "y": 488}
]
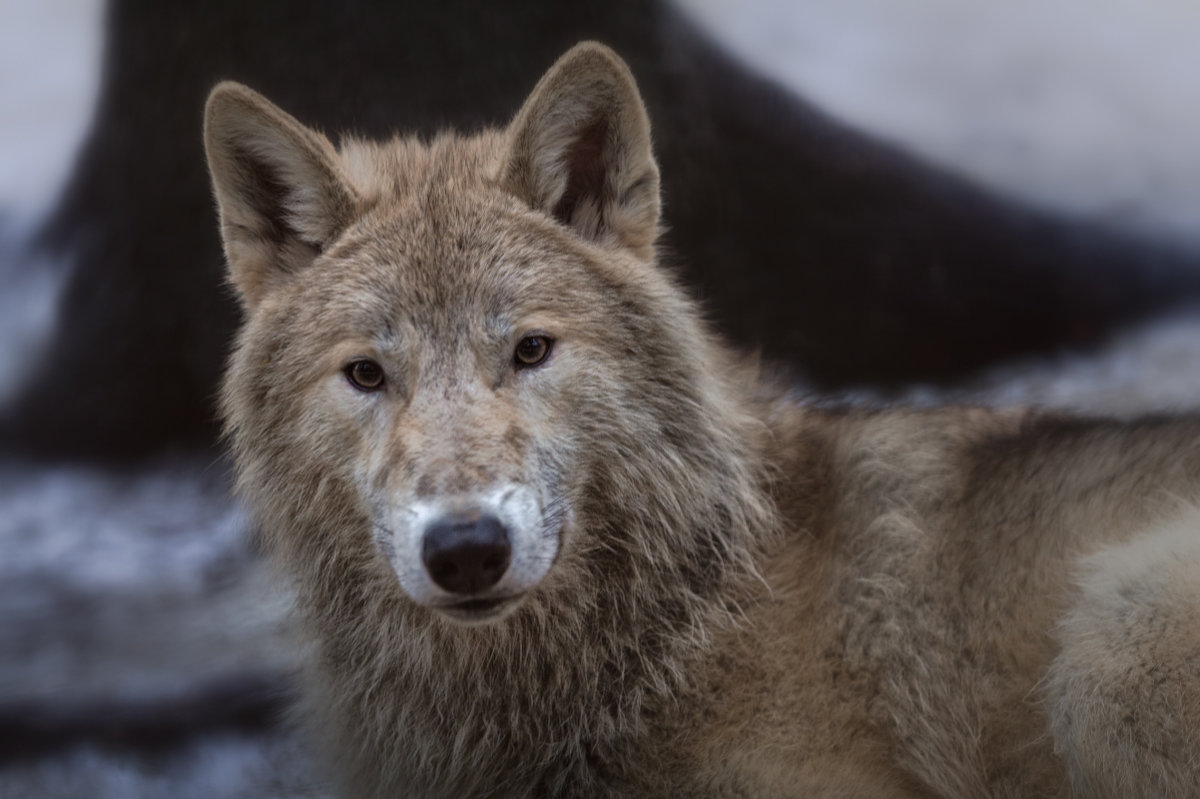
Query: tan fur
[{"x": 747, "y": 597}]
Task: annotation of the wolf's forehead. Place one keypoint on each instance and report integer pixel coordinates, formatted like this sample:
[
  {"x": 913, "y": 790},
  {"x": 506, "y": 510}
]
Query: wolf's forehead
[
  {"x": 397, "y": 171},
  {"x": 440, "y": 235},
  {"x": 458, "y": 248},
  {"x": 443, "y": 271}
]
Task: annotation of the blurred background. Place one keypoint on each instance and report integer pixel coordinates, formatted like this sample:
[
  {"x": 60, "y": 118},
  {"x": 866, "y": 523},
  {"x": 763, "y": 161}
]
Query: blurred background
[{"x": 918, "y": 201}]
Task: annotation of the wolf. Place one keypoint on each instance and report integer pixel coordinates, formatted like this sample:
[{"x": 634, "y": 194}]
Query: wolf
[{"x": 551, "y": 537}]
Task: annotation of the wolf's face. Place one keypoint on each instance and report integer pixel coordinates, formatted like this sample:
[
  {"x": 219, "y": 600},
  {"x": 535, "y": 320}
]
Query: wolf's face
[
  {"x": 451, "y": 357},
  {"x": 448, "y": 344}
]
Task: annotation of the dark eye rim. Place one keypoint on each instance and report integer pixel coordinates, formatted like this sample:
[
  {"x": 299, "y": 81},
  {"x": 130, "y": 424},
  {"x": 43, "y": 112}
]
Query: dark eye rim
[
  {"x": 521, "y": 363},
  {"x": 355, "y": 380}
]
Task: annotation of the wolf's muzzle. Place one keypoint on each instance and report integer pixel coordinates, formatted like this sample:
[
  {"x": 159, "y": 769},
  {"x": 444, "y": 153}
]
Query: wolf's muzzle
[{"x": 466, "y": 554}]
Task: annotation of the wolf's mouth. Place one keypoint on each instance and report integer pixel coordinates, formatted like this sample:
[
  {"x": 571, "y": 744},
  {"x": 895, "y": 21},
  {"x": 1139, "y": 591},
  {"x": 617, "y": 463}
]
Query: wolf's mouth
[
  {"x": 478, "y": 605},
  {"x": 479, "y": 610}
]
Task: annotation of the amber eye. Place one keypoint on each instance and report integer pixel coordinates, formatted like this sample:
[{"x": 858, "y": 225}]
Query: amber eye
[
  {"x": 365, "y": 375},
  {"x": 532, "y": 350}
]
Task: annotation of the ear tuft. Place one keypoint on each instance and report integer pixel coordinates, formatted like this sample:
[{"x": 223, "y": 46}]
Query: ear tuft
[
  {"x": 280, "y": 191},
  {"x": 579, "y": 150}
]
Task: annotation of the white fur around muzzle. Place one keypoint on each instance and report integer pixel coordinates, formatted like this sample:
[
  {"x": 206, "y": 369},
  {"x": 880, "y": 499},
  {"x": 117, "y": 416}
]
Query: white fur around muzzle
[{"x": 518, "y": 509}]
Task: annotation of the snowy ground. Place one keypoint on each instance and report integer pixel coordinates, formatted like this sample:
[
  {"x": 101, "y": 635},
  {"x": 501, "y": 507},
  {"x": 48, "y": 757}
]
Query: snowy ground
[
  {"x": 127, "y": 597},
  {"x": 134, "y": 613}
]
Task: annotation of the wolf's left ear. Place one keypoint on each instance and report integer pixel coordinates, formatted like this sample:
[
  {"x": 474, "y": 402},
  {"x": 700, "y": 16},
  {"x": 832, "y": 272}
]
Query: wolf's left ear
[
  {"x": 279, "y": 187},
  {"x": 579, "y": 149}
]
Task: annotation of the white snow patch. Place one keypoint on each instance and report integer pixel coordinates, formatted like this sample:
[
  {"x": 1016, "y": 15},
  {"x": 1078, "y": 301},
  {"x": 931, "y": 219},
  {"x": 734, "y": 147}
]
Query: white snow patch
[
  {"x": 135, "y": 586},
  {"x": 1090, "y": 106},
  {"x": 49, "y": 79},
  {"x": 227, "y": 766}
]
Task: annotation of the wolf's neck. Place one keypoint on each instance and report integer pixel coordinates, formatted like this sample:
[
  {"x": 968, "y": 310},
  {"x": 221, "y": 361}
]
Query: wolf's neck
[{"x": 562, "y": 698}]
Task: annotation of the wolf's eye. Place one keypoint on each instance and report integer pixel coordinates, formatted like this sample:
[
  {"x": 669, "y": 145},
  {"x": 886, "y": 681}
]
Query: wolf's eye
[
  {"x": 532, "y": 350},
  {"x": 365, "y": 375}
]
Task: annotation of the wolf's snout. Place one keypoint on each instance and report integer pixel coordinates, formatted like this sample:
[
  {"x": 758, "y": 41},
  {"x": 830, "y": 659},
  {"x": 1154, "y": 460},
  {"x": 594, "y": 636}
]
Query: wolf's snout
[{"x": 466, "y": 555}]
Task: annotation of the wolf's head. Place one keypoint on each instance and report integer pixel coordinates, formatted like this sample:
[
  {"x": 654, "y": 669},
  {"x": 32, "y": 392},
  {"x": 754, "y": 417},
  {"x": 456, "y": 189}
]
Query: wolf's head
[{"x": 460, "y": 365}]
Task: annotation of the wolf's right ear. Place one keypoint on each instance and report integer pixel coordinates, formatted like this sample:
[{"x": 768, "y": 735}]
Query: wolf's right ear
[
  {"x": 280, "y": 191},
  {"x": 579, "y": 150}
]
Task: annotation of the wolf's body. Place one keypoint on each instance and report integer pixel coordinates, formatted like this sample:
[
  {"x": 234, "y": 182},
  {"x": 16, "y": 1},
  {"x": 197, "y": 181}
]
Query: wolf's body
[{"x": 703, "y": 587}]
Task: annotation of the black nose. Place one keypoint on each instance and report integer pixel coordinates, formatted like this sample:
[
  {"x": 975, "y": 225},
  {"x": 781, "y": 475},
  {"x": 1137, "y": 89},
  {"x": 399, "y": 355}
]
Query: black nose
[{"x": 466, "y": 555}]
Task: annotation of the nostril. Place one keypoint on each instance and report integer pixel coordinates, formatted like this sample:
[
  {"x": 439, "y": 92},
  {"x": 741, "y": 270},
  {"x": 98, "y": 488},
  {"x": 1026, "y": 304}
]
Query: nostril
[{"x": 466, "y": 556}]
